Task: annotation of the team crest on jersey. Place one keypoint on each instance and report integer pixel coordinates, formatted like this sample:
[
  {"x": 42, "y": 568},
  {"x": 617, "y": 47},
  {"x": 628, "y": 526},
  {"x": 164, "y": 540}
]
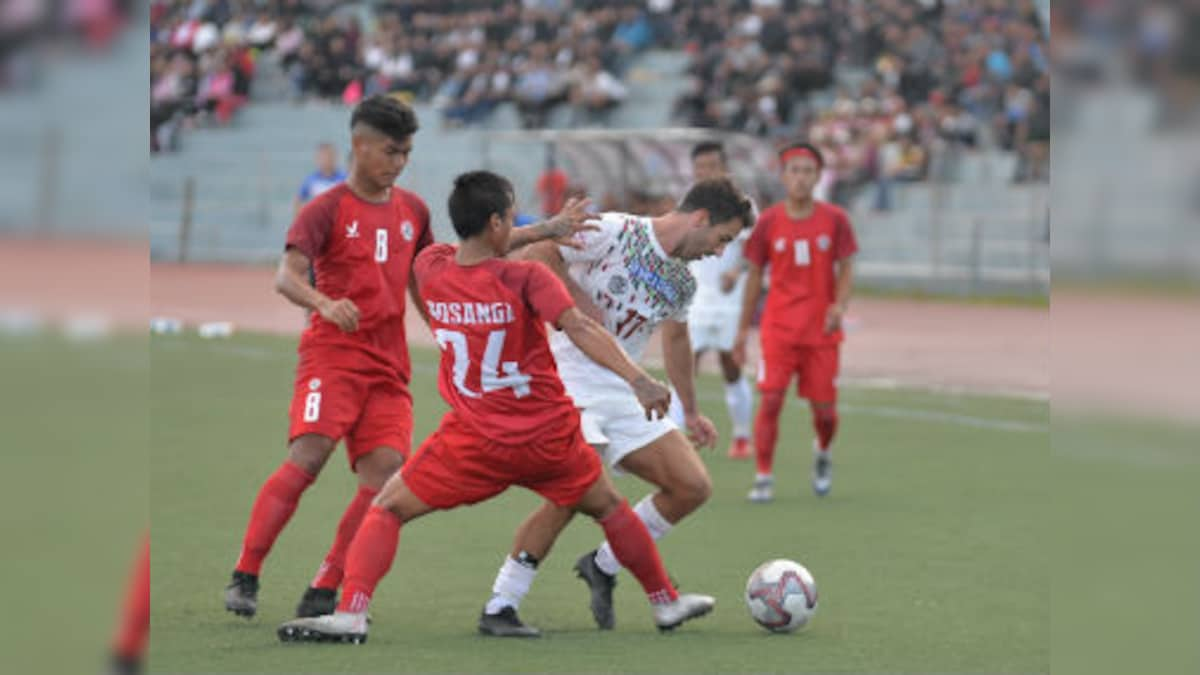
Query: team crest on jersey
[
  {"x": 406, "y": 230},
  {"x": 314, "y": 384},
  {"x": 823, "y": 242},
  {"x": 780, "y": 244},
  {"x": 617, "y": 285},
  {"x": 352, "y": 230}
]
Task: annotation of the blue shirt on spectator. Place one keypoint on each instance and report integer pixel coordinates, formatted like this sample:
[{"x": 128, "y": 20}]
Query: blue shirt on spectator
[{"x": 318, "y": 182}]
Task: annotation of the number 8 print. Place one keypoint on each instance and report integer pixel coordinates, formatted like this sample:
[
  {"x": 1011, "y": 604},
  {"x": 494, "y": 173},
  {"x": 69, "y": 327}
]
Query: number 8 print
[{"x": 381, "y": 245}]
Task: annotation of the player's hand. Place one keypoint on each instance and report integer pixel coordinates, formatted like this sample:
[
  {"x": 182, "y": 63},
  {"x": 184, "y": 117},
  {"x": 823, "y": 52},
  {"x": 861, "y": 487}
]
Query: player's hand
[
  {"x": 729, "y": 281},
  {"x": 701, "y": 430},
  {"x": 343, "y": 313},
  {"x": 833, "y": 319},
  {"x": 574, "y": 218},
  {"x": 738, "y": 352},
  {"x": 654, "y": 396}
]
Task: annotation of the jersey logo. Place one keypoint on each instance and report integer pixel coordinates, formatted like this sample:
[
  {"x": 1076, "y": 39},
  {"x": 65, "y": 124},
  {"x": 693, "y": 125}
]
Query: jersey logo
[
  {"x": 823, "y": 242},
  {"x": 406, "y": 230},
  {"x": 617, "y": 285},
  {"x": 780, "y": 245},
  {"x": 352, "y": 230},
  {"x": 314, "y": 384}
]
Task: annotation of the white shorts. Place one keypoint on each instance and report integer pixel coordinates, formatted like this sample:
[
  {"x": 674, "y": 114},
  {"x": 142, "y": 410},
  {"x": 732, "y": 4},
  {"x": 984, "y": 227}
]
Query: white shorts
[
  {"x": 713, "y": 333},
  {"x": 616, "y": 427}
]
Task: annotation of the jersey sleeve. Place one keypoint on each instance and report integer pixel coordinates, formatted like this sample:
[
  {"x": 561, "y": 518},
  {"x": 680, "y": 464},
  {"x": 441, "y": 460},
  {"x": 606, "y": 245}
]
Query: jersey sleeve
[
  {"x": 546, "y": 293},
  {"x": 595, "y": 242},
  {"x": 845, "y": 244},
  {"x": 309, "y": 232},
  {"x": 758, "y": 248},
  {"x": 427, "y": 259}
]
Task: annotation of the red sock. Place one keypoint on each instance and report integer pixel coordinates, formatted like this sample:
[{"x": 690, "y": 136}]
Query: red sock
[
  {"x": 825, "y": 421},
  {"x": 369, "y": 558},
  {"x": 766, "y": 429},
  {"x": 636, "y": 552},
  {"x": 134, "y": 627},
  {"x": 272, "y": 509},
  {"x": 329, "y": 575}
]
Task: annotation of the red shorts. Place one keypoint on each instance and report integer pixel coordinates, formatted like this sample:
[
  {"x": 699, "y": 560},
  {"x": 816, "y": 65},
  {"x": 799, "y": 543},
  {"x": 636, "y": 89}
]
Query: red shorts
[
  {"x": 457, "y": 466},
  {"x": 369, "y": 410},
  {"x": 816, "y": 368}
]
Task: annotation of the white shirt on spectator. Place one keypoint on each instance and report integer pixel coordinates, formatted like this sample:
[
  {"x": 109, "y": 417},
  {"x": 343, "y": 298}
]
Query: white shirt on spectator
[
  {"x": 603, "y": 82},
  {"x": 207, "y": 36},
  {"x": 261, "y": 32}
]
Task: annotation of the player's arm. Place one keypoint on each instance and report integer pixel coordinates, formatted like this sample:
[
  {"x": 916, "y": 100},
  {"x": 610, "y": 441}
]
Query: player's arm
[
  {"x": 677, "y": 356},
  {"x": 547, "y": 253},
  {"x": 414, "y": 293},
  {"x": 754, "y": 275},
  {"x": 562, "y": 227},
  {"x": 600, "y": 346},
  {"x": 845, "y": 286},
  {"x": 291, "y": 281}
]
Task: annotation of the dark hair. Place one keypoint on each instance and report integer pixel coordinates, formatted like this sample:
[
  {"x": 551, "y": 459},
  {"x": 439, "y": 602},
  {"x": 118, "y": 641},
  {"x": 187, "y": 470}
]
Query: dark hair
[
  {"x": 721, "y": 198},
  {"x": 386, "y": 115},
  {"x": 707, "y": 147},
  {"x": 476, "y": 196},
  {"x": 801, "y": 145}
]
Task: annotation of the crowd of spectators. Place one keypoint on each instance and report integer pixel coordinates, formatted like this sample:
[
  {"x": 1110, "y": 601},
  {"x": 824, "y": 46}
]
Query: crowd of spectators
[
  {"x": 880, "y": 86},
  {"x": 926, "y": 74}
]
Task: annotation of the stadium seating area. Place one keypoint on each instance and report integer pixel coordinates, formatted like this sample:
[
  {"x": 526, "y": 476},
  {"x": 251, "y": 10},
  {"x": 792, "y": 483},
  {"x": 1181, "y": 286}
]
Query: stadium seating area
[{"x": 880, "y": 86}]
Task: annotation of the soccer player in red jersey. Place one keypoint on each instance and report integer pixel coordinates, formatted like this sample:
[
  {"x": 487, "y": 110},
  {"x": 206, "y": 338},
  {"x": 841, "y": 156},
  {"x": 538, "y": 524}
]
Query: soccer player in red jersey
[
  {"x": 360, "y": 238},
  {"x": 511, "y": 421},
  {"x": 809, "y": 246}
]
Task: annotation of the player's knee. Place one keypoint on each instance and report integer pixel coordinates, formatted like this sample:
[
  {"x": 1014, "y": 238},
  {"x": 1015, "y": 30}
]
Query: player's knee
[
  {"x": 825, "y": 412},
  {"x": 771, "y": 403},
  {"x": 690, "y": 492}
]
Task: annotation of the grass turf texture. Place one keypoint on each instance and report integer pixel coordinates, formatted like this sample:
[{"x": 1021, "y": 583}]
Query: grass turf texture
[{"x": 928, "y": 554}]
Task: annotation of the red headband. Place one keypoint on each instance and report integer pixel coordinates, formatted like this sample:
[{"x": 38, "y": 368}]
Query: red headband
[{"x": 800, "y": 152}]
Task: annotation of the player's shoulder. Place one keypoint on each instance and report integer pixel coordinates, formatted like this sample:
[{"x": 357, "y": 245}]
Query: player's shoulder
[
  {"x": 833, "y": 210},
  {"x": 410, "y": 199}
]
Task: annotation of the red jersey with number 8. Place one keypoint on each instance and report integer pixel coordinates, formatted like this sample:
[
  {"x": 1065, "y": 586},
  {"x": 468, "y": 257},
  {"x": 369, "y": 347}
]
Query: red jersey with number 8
[
  {"x": 497, "y": 371},
  {"x": 362, "y": 251}
]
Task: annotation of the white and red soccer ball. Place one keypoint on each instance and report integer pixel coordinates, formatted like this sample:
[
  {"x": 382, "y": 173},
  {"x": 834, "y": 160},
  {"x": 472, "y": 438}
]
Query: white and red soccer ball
[{"x": 781, "y": 595}]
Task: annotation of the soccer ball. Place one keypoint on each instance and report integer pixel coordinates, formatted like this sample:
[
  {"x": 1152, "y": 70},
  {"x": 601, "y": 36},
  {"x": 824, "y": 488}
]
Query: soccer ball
[{"x": 781, "y": 595}]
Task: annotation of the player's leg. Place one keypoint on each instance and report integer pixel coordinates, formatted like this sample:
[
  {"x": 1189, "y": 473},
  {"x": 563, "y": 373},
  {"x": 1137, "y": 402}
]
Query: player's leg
[
  {"x": 774, "y": 373},
  {"x": 325, "y": 403},
  {"x": 376, "y": 447},
  {"x": 531, "y": 544},
  {"x": 636, "y": 550},
  {"x": 739, "y": 401},
  {"x": 660, "y": 455},
  {"x": 133, "y": 628},
  {"x": 273, "y": 508},
  {"x": 818, "y": 384}
]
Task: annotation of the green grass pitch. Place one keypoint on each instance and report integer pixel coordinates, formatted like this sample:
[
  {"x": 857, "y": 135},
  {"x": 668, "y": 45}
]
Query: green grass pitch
[{"x": 930, "y": 553}]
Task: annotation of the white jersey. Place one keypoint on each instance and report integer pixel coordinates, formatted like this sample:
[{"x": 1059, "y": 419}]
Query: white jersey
[
  {"x": 625, "y": 271},
  {"x": 711, "y": 303}
]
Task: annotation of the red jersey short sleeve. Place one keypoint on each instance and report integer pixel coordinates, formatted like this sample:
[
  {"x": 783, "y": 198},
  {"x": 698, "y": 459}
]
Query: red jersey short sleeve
[
  {"x": 546, "y": 293},
  {"x": 757, "y": 249},
  {"x": 310, "y": 229},
  {"x": 845, "y": 244}
]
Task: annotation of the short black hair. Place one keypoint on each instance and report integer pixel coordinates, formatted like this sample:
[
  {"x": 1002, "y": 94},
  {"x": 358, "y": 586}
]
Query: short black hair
[
  {"x": 707, "y": 147},
  {"x": 721, "y": 198},
  {"x": 801, "y": 145},
  {"x": 387, "y": 115},
  {"x": 475, "y": 197}
]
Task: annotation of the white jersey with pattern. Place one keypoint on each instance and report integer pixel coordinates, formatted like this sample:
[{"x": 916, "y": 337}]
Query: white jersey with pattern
[{"x": 627, "y": 274}]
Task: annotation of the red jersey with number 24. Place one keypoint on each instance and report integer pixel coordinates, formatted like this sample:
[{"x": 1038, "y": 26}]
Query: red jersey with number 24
[
  {"x": 801, "y": 253},
  {"x": 362, "y": 251},
  {"x": 497, "y": 371}
]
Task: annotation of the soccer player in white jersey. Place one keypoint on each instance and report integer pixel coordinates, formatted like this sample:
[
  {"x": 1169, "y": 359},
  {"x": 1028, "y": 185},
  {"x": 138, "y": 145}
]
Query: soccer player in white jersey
[
  {"x": 716, "y": 309},
  {"x": 631, "y": 274}
]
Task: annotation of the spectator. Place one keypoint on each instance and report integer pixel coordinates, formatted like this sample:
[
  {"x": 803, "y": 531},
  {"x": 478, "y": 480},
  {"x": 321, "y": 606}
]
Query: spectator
[
  {"x": 595, "y": 93},
  {"x": 552, "y": 187},
  {"x": 327, "y": 175}
]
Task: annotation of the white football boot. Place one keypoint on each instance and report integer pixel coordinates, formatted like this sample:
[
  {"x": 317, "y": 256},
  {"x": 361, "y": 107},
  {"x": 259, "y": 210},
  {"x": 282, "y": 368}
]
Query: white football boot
[{"x": 344, "y": 627}]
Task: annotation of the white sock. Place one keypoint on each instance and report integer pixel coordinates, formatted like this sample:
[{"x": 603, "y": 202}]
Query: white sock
[
  {"x": 740, "y": 401},
  {"x": 511, "y": 585},
  {"x": 761, "y": 476},
  {"x": 675, "y": 411},
  {"x": 658, "y": 527}
]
